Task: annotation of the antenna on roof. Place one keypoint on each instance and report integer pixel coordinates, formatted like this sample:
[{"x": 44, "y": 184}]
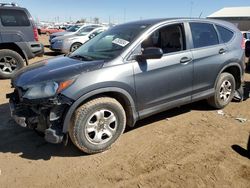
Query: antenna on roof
[{"x": 200, "y": 14}]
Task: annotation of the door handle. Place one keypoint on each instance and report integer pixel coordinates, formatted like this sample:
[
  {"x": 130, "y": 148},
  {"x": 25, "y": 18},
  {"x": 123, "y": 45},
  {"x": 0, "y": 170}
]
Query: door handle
[
  {"x": 222, "y": 51},
  {"x": 186, "y": 60}
]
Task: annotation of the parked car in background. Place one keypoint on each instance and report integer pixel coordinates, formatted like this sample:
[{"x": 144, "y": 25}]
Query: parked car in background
[
  {"x": 18, "y": 39},
  {"x": 70, "y": 43},
  {"x": 127, "y": 73},
  {"x": 246, "y": 35},
  {"x": 71, "y": 30},
  {"x": 49, "y": 30}
]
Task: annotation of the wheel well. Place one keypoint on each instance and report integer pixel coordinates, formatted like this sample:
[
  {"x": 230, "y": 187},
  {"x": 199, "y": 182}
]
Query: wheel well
[
  {"x": 76, "y": 43},
  {"x": 14, "y": 47},
  {"x": 235, "y": 71},
  {"x": 123, "y": 100}
]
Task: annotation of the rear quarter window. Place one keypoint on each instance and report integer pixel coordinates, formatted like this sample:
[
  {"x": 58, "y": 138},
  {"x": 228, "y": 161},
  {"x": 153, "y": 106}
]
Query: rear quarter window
[
  {"x": 203, "y": 34},
  {"x": 14, "y": 18},
  {"x": 225, "y": 34},
  {"x": 248, "y": 36}
]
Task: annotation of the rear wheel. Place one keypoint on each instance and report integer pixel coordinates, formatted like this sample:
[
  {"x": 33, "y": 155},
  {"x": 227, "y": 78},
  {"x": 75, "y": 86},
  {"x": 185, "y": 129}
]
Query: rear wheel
[
  {"x": 224, "y": 91},
  {"x": 10, "y": 63},
  {"x": 75, "y": 46},
  {"x": 97, "y": 124}
]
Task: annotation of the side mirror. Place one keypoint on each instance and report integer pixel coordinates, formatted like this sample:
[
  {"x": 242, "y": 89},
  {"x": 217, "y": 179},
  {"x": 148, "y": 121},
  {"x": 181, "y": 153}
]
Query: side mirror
[
  {"x": 247, "y": 48},
  {"x": 91, "y": 36},
  {"x": 151, "y": 53}
]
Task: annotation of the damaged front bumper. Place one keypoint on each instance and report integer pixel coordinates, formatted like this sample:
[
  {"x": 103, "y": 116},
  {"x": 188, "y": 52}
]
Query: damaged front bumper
[{"x": 43, "y": 115}]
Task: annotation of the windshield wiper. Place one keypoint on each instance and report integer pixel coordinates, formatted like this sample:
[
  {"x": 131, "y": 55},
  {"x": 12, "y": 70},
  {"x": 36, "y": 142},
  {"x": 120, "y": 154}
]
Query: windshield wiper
[{"x": 82, "y": 57}]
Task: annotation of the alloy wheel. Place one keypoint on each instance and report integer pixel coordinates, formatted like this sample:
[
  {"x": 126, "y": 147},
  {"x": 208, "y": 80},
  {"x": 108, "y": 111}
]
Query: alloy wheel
[{"x": 101, "y": 126}]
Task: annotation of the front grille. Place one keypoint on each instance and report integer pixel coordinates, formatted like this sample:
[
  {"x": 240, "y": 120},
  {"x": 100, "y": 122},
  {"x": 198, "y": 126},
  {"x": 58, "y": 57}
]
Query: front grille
[{"x": 20, "y": 93}]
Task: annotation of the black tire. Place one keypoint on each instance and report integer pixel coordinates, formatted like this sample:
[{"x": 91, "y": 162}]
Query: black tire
[
  {"x": 75, "y": 46},
  {"x": 223, "y": 97},
  {"x": 78, "y": 130},
  {"x": 10, "y": 63}
]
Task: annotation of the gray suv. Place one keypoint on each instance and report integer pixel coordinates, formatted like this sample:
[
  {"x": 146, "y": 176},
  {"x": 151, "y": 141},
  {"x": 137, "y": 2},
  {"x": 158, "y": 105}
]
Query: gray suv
[
  {"x": 127, "y": 73},
  {"x": 18, "y": 39}
]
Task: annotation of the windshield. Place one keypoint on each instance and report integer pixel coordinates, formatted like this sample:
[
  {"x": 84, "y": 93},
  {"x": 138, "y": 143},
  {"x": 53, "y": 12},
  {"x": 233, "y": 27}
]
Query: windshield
[
  {"x": 109, "y": 44},
  {"x": 73, "y": 28},
  {"x": 86, "y": 30}
]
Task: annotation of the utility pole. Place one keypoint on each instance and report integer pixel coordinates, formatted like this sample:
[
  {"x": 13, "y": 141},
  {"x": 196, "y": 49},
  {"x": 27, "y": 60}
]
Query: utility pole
[
  {"x": 191, "y": 8},
  {"x": 124, "y": 16}
]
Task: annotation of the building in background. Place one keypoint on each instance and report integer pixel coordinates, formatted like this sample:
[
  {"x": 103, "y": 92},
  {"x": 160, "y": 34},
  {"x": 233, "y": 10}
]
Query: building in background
[{"x": 240, "y": 16}]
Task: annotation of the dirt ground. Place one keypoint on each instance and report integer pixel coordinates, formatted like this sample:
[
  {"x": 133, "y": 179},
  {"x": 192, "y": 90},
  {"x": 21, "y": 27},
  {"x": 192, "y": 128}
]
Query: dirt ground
[{"x": 191, "y": 146}]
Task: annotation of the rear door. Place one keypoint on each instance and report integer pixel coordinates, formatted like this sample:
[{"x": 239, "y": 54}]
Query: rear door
[
  {"x": 208, "y": 55},
  {"x": 166, "y": 82}
]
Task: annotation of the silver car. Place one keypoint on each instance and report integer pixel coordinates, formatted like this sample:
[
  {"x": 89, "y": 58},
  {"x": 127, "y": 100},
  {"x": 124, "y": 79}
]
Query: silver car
[
  {"x": 69, "y": 31},
  {"x": 72, "y": 30},
  {"x": 70, "y": 43}
]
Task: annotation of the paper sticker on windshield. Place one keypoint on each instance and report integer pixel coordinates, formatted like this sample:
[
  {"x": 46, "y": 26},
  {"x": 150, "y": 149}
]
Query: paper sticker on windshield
[{"x": 120, "y": 42}]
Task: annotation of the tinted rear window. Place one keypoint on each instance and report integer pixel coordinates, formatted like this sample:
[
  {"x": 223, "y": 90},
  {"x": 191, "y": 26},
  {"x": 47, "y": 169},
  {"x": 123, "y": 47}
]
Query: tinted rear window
[
  {"x": 14, "y": 18},
  {"x": 203, "y": 35},
  {"x": 225, "y": 34}
]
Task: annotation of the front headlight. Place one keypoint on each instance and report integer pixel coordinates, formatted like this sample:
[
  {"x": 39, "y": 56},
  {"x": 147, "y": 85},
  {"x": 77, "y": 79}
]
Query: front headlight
[
  {"x": 44, "y": 90},
  {"x": 59, "y": 41},
  {"x": 55, "y": 40}
]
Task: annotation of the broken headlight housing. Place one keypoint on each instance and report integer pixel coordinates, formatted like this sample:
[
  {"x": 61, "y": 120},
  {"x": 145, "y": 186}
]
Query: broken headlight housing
[
  {"x": 46, "y": 89},
  {"x": 43, "y": 90}
]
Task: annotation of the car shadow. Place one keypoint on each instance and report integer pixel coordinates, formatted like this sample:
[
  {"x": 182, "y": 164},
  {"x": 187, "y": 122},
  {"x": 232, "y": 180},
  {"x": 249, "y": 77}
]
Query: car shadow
[
  {"x": 52, "y": 53},
  {"x": 246, "y": 90},
  {"x": 18, "y": 140},
  {"x": 198, "y": 106},
  {"x": 241, "y": 151},
  {"x": 26, "y": 143},
  {"x": 46, "y": 46}
]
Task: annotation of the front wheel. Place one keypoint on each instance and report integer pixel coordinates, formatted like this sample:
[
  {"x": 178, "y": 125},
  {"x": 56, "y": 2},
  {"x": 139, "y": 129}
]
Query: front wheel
[
  {"x": 75, "y": 46},
  {"x": 97, "y": 124},
  {"x": 224, "y": 91}
]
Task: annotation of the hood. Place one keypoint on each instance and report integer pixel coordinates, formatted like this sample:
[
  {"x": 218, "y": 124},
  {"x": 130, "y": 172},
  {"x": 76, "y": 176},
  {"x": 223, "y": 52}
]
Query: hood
[
  {"x": 65, "y": 37},
  {"x": 63, "y": 33},
  {"x": 58, "y": 69}
]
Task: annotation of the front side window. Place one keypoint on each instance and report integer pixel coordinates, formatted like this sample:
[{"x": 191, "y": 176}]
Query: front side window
[
  {"x": 203, "y": 34},
  {"x": 169, "y": 39},
  {"x": 14, "y": 18}
]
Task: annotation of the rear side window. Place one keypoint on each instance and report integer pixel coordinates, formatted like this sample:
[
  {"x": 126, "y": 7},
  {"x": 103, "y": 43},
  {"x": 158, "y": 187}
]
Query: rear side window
[
  {"x": 225, "y": 34},
  {"x": 203, "y": 34},
  {"x": 14, "y": 18}
]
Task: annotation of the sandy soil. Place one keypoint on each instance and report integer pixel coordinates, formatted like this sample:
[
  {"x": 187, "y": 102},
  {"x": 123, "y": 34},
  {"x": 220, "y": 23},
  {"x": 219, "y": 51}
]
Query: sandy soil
[{"x": 191, "y": 146}]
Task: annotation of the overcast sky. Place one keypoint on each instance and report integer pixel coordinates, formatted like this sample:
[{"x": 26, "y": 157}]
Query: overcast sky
[{"x": 122, "y": 10}]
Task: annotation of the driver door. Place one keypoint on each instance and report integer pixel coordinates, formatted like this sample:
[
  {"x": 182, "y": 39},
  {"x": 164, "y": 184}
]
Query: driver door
[{"x": 166, "y": 82}]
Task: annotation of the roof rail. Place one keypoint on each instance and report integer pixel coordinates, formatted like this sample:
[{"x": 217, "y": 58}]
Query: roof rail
[{"x": 8, "y": 4}]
